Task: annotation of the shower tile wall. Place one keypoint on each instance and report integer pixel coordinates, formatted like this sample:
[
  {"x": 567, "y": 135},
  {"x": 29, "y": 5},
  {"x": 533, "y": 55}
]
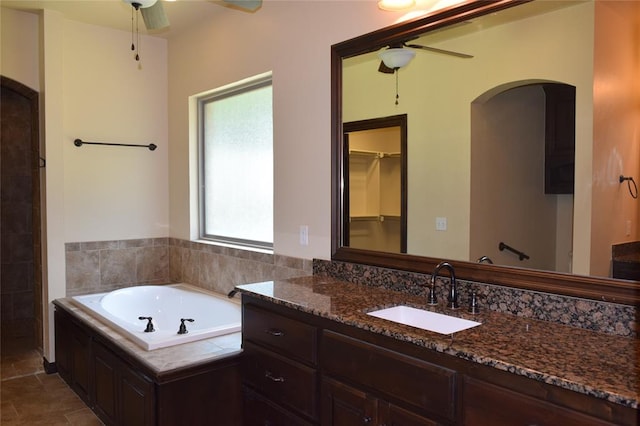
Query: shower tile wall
[
  {"x": 16, "y": 197},
  {"x": 106, "y": 265}
]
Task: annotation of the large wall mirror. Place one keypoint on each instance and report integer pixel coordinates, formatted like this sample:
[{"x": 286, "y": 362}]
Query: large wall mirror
[{"x": 514, "y": 147}]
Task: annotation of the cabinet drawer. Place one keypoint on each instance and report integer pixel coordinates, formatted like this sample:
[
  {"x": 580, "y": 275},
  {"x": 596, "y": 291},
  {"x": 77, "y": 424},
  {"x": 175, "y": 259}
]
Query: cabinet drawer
[
  {"x": 259, "y": 411},
  {"x": 424, "y": 385},
  {"x": 286, "y": 382},
  {"x": 285, "y": 335},
  {"x": 487, "y": 404}
]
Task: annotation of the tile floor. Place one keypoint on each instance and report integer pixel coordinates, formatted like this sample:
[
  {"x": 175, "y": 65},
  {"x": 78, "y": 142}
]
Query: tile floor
[{"x": 28, "y": 396}]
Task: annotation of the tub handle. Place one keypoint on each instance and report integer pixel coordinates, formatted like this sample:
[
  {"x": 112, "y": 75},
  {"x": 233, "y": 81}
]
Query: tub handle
[
  {"x": 274, "y": 332},
  {"x": 149, "y": 328},
  {"x": 269, "y": 375},
  {"x": 183, "y": 328}
]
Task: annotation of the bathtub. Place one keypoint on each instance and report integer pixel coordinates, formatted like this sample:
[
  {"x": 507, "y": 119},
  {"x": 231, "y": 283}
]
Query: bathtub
[{"x": 166, "y": 304}]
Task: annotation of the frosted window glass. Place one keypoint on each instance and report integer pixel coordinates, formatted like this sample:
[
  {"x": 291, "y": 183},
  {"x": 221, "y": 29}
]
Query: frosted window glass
[{"x": 237, "y": 136}]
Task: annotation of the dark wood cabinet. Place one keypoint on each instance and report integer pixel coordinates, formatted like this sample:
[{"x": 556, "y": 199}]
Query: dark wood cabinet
[
  {"x": 260, "y": 411},
  {"x": 279, "y": 365},
  {"x": 73, "y": 355},
  {"x": 302, "y": 369},
  {"x": 123, "y": 391},
  {"x": 490, "y": 405},
  {"x": 422, "y": 387},
  {"x": 121, "y": 396},
  {"x": 560, "y": 138},
  {"x": 343, "y": 405}
]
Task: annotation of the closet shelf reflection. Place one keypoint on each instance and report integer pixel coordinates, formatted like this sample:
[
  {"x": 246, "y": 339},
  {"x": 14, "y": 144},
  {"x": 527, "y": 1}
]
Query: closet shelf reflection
[{"x": 380, "y": 218}]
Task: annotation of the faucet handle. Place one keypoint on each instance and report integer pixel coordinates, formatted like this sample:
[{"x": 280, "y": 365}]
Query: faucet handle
[
  {"x": 473, "y": 303},
  {"x": 431, "y": 298},
  {"x": 183, "y": 327},
  {"x": 149, "y": 328}
]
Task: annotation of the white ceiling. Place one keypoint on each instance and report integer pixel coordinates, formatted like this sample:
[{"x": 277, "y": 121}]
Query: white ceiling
[{"x": 117, "y": 14}]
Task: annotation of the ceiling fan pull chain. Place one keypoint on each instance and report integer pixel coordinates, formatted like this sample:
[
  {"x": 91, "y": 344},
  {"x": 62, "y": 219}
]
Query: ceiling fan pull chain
[
  {"x": 397, "y": 96},
  {"x": 133, "y": 47},
  {"x": 137, "y": 38}
]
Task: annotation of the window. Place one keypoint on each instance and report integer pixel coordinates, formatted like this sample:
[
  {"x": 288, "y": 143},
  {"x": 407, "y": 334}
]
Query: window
[{"x": 236, "y": 164}]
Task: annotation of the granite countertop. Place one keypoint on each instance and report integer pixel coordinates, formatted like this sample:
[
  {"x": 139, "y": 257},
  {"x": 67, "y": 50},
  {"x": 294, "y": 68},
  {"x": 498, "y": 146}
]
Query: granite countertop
[
  {"x": 163, "y": 360},
  {"x": 584, "y": 361}
]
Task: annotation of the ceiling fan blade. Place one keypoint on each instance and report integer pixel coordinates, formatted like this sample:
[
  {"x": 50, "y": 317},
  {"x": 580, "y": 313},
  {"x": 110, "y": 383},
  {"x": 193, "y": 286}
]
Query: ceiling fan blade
[
  {"x": 154, "y": 16},
  {"x": 385, "y": 69},
  {"x": 442, "y": 51},
  {"x": 245, "y": 5}
]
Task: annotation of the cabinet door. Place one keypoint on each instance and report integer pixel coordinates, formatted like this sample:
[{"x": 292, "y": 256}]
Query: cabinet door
[
  {"x": 136, "y": 399},
  {"x": 73, "y": 352},
  {"x": 560, "y": 145},
  {"x": 121, "y": 396},
  {"x": 428, "y": 387},
  {"x": 63, "y": 350},
  {"x": 490, "y": 405},
  {"x": 344, "y": 405},
  {"x": 105, "y": 385}
]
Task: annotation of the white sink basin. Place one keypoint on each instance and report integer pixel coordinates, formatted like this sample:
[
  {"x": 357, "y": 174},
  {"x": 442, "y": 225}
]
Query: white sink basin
[{"x": 426, "y": 320}]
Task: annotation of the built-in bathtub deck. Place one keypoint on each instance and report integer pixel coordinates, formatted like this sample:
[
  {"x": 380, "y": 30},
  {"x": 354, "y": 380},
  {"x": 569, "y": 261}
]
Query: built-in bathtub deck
[{"x": 162, "y": 360}]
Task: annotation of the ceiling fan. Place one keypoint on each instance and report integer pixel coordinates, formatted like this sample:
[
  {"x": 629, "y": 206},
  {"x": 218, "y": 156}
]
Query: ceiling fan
[
  {"x": 155, "y": 17},
  {"x": 399, "y": 55}
]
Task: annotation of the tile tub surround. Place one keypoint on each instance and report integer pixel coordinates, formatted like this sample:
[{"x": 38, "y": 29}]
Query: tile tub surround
[
  {"x": 99, "y": 266},
  {"x": 603, "y": 317},
  {"x": 596, "y": 364}
]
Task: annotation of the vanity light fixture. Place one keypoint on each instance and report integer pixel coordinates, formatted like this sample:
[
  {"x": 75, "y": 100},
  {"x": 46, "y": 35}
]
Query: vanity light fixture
[
  {"x": 396, "y": 57},
  {"x": 395, "y": 5}
]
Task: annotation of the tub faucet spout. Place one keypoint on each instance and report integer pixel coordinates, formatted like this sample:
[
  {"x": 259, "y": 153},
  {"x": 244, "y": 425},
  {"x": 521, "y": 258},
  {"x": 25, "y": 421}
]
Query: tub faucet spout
[{"x": 149, "y": 328}]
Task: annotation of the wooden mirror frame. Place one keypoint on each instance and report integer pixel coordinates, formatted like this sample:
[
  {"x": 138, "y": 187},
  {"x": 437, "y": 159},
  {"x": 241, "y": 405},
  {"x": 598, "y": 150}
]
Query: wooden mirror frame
[{"x": 595, "y": 288}]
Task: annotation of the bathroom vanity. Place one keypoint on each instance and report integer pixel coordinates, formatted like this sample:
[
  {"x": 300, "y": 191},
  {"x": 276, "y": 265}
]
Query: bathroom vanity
[
  {"x": 193, "y": 383},
  {"x": 312, "y": 355}
]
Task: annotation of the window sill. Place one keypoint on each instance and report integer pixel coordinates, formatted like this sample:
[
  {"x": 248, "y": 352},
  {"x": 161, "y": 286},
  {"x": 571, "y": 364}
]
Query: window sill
[{"x": 234, "y": 246}]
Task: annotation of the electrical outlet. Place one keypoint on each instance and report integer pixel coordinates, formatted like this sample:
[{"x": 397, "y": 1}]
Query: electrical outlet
[
  {"x": 304, "y": 235},
  {"x": 441, "y": 223}
]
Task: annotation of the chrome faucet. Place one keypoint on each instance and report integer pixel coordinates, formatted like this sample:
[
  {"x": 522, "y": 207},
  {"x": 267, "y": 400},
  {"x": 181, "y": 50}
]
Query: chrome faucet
[{"x": 453, "y": 290}]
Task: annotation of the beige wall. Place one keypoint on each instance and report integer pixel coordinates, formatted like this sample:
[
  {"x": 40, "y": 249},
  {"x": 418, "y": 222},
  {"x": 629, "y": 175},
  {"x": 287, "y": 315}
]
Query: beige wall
[
  {"x": 436, "y": 92},
  {"x": 20, "y": 29},
  {"x": 94, "y": 90},
  {"x": 293, "y": 40},
  {"x": 616, "y": 128},
  {"x": 508, "y": 201},
  {"x": 91, "y": 88}
]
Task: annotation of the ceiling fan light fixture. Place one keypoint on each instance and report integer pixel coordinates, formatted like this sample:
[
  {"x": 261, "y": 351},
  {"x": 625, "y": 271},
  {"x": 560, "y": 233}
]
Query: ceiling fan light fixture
[
  {"x": 141, "y": 3},
  {"x": 395, "y": 5},
  {"x": 396, "y": 57}
]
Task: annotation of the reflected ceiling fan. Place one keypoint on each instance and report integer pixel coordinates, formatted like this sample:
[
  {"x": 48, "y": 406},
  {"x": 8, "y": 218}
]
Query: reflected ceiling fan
[
  {"x": 399, "y": 55},
  {"x": 155, "y": 18}
]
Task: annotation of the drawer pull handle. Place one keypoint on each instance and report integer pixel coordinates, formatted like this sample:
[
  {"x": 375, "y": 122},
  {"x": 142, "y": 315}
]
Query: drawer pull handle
[
  {"x": 273, "y": 378},
  {"x": 274, "y": 332},
  {"x": 367, "y": 420}
]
